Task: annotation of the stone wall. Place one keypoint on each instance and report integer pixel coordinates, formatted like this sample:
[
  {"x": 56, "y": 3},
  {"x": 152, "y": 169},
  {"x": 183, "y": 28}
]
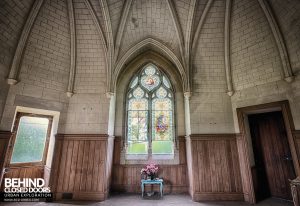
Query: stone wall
[
  {"x": 13, "y": 15},
  {"x": 210, "y": 106},
  {"x": 255, "y": 61},
  {"x": 88, "y": 107},
  {"x": 256, "y": 64},
  {"x": 44, "y": 69}
]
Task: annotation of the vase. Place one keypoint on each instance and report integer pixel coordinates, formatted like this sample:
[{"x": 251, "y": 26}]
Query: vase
[
  {"x": 152, "y": 177},
  {"x": 143, "y": 176}
]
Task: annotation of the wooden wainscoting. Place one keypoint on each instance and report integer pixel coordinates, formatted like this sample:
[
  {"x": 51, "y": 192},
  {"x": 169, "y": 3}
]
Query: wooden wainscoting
[
  {"x": 5, "y": 138},
  {"x": 216, "y": 169},
  {"x": 126, "y": 178},
  {"x": 79, "y": 167}
]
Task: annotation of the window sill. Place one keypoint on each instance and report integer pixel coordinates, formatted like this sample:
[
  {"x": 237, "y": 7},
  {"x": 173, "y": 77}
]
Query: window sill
[
  {"x": 163, "y": 156},
  {"x": 146, "y": 157},
  {"x": 136, "y": 156}
]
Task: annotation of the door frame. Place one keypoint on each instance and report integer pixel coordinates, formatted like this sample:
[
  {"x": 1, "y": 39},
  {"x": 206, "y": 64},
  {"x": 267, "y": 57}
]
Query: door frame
[
  {"x": 14, "y": 137},
  {"x": 243, "y": 143}
]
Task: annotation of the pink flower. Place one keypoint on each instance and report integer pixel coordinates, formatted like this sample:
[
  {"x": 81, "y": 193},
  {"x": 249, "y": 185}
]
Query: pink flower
[{"x": 150, "y": 169}]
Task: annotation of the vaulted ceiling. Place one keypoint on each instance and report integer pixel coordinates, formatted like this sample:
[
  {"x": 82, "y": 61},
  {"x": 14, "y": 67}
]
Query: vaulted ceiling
[{"x": 125, "y": 28}]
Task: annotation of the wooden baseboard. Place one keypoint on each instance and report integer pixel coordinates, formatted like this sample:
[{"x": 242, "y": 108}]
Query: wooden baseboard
[
  {"x": 168, "y": 189},
  {"x": 217, "y": 196},
  {"x": 87, "y": 196}
]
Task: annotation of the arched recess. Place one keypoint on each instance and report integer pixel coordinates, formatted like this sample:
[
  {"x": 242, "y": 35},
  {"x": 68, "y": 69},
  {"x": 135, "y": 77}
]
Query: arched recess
[
  {"x": 154, "y": 45},
  {"x": 122, "y": 82}
]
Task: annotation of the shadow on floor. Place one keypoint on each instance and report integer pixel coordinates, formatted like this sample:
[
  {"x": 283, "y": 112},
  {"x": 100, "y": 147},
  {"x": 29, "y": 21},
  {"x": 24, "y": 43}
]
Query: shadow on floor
[{"x": 167, "y": 200}]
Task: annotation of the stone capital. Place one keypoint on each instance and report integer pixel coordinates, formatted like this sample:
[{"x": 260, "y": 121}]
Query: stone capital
[
  {"x": 230, "y": 93},
  {"x": 289, "y": 79},
  {"x": 70, "y": 94},
  {"x": 11, "y": 81},
  {"x": 187, "y": 95},
  {"x": 110, "y": 94}
]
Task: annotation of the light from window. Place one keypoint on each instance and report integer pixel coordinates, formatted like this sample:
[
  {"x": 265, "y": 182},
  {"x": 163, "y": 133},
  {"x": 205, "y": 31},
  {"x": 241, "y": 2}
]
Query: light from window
[
  {"x": 150, "y": 108},
  {"x": 30, "y": 140}
]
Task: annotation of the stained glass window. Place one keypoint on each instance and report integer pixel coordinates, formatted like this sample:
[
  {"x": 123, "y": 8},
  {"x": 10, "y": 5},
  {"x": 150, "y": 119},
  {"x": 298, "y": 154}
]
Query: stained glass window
[{"x": 150, "y": 113}]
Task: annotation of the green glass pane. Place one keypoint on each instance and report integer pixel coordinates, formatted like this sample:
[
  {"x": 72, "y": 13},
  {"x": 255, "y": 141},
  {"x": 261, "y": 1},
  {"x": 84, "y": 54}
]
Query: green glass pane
[
  {"x": 162, "y": 147},
  {"x": 137, "y": 148},
  {"x": 30, "y": 140}
]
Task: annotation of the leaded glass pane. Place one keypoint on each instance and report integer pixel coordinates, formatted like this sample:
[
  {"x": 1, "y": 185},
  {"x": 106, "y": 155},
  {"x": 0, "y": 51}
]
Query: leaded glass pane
[
  {"x": 134, "y": 82},
  {"x": 166, "y": 82},
  {"x": 137, "y": 147},
  {"x": 150, "y": 70},
  {"x": 138, "y": 93},
  {"x": 150, "y": 82},
  {"x": 162, "y": 127},
  {"x": 162, "y": 147},
  {"x": 30, "y": 140},
  {"x": 161, "y": 92},
  {"x": 162, "y": 104},
  {"x": 137, "y": 125},
  {"x": 138, "y": 104}
]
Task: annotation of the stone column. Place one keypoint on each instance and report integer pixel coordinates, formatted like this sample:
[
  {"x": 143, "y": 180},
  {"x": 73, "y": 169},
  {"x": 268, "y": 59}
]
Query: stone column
[
  {"x": 112, "y": 113},
  {"x": 111, "y": 137},
  {"x": 187, "y": 116},
  {"x": 187, "y": 96}
]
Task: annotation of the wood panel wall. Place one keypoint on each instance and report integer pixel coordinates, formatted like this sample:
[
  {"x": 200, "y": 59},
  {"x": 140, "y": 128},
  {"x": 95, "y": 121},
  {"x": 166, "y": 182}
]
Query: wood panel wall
[
  {"x": 216, "y": 170},
  {"x": 126, "y": 178},
  {"x": 79, "y": 167},
  {"x": 5, "y": 138}
]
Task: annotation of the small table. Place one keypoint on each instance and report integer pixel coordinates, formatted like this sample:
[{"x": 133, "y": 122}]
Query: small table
[{"x": 152, "y": 182}]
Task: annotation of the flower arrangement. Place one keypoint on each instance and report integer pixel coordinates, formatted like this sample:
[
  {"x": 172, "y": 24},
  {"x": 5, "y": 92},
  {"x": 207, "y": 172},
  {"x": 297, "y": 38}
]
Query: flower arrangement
[{"x": 150, "y": 170}]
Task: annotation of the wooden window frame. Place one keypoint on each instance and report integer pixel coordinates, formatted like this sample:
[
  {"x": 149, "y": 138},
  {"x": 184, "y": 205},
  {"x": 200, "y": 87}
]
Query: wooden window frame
[{"x": 14, "y": 137}]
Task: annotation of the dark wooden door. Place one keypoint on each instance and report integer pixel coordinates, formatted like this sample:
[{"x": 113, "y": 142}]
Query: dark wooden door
[{"x": 273, "y": 161}]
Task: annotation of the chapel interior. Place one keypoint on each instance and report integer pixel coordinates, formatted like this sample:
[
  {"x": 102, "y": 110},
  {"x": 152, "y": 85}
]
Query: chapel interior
[{"x": 91, "y": 91}]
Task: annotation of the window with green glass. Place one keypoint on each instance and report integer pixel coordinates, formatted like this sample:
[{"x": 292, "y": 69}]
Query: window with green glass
[
  {"x": 30, "y": 140},
  {"x": 150, "y": 113}
]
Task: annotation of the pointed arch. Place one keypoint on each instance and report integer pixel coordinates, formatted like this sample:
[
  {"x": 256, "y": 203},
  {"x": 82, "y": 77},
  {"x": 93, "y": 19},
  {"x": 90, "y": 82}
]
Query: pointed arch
[
  {"x": 177, "y": 26},
  {"x": 161, "y": 48},
  {"x": 200, "y": 24},
  {"x": 96, "y": 22},
  {"x": 15, "y": 65},
  {"x": 286, "y": 65},
  {"x": 121, "y": 27}
]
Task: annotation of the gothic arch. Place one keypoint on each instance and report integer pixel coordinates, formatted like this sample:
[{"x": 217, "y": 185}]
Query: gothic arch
[
  {"x": 162, "y": 51},
  {"x": 125, "y": 75}
]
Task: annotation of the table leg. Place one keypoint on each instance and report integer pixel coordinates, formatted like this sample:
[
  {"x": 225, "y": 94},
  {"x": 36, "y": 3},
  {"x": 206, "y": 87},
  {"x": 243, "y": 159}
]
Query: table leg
[{"x": 143, "y": 189}]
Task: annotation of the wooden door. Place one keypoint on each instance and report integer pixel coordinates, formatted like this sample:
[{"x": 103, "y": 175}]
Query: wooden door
[
  {"x": 27, "y": 168},
  {"x": 273, "y": 161}
]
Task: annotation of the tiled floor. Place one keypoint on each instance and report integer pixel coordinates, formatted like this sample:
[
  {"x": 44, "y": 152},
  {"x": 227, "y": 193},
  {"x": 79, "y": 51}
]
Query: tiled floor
[{"x": 168, "y": 200}]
